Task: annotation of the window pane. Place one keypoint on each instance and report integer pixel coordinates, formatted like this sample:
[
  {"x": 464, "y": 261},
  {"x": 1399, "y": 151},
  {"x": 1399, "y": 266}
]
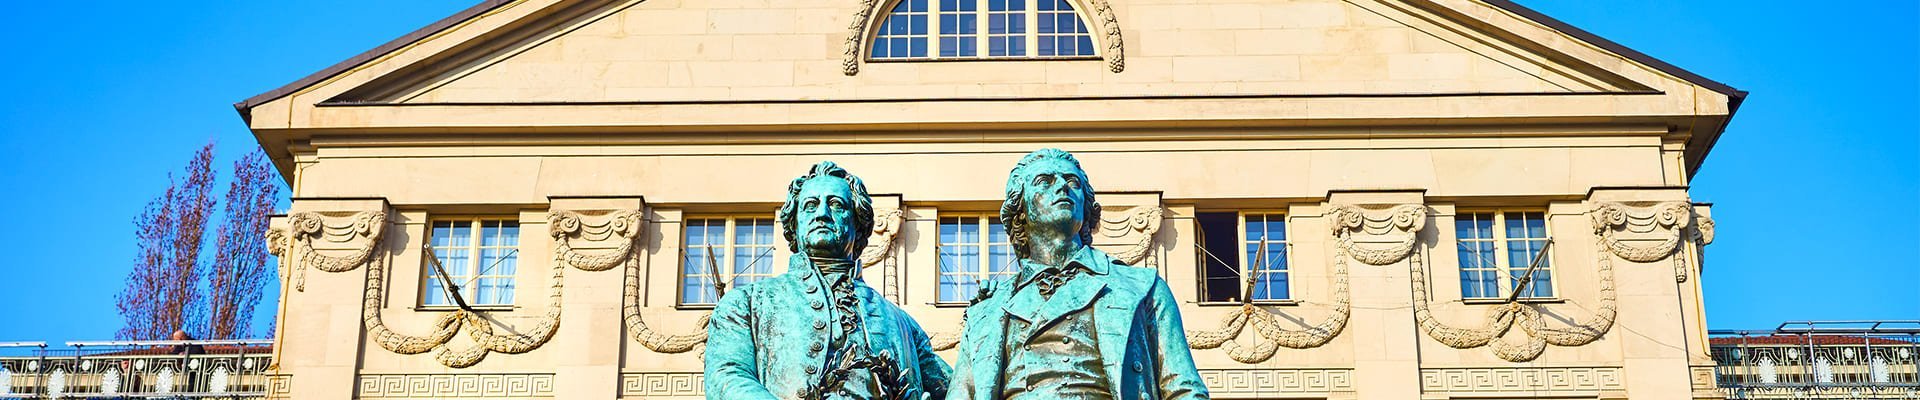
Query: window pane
[
  {"x": 435, "y": 293},
  {"x": 1000, "y": 261},
  {"x": 1478, "y": 269},
  {"x": 1253, "y": 227},
  {"x": 904, "y": 31},
  {"x": 1264, "y": 254},
  {"x": 969, "y": 231},
  {"x": 949, "y": 230},
  {"x": 497, "y": 261},
  {"x": 697, "y": 262}
]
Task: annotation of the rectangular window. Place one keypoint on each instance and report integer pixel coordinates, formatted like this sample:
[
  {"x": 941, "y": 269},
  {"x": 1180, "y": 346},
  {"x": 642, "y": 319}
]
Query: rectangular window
[
  {"x": 738, "y": 249},
  {"x": 1253, "y": 242},
  {"x": 479, "y": 255},
  {"x": 973, "y": 249},
  {"x": 1266, "y": 244},
  {"x": 1497, "y": 248}
]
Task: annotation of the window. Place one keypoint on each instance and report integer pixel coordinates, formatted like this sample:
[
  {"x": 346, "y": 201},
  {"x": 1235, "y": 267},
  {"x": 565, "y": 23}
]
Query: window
[
  {"x": 973, "y": 249},
  {"x": 1232, "y": 242},
  {"x": 1266, "y": 243},
  {"x": 742, "y": 247},
  {"x": 1009, "y": 28},
  {"x": 479, "y": 255},
  {"x": 1493, "y": 245}
]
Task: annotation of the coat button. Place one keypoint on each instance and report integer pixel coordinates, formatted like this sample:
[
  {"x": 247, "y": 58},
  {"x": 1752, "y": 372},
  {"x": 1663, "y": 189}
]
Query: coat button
[
  {"x": 813, "y": 289},
  {"x": 1136, "y": 366},
  {"x": 816, "y": 346},
  {"x": 805, "y": 275},
  {"x": 818, "y": 305},
  {"x": 812, "y": 370},
  {"x": 819, "y": 324}
]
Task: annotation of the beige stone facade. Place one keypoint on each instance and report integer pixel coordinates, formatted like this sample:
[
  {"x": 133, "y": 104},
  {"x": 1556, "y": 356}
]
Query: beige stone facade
[{"x": 1377, "y": 130}]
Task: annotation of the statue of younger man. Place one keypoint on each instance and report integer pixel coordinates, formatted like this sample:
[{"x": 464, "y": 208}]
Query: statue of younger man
[
  {"x": 1074, "y": 323},
  {"x": 818, "y": 331}
]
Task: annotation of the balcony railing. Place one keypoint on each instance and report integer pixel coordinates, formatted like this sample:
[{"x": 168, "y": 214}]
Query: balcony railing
[
  {"x": 190, "y": 369},
  {"x": 1820, "y": 360}
]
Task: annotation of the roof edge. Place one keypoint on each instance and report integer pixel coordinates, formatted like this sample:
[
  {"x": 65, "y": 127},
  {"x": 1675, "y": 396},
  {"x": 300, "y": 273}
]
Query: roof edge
[
  {"x": 1707, "y": 139},
  {"x": 1735, "y": 94},
  {"x": 360, "y": 59}
]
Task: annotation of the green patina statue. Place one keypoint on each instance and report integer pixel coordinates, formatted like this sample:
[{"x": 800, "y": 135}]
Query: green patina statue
[
  {"x": 818, "y": 331},
  {"x": 1074, "y": 323}
]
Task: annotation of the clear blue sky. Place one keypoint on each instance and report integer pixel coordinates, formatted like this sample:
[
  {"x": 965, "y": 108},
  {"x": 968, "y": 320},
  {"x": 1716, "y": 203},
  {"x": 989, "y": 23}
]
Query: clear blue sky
[{"x": 1816, "y": 184}]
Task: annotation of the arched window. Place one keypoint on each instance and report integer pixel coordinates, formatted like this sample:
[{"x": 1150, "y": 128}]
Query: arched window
[{"x": 981, "y": 29}]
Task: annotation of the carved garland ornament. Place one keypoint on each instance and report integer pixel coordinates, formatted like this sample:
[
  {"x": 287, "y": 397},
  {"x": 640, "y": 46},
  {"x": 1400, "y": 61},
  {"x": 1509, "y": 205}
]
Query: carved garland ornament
[
  {"x": 309, "y": 226},
  {"x": 1343, "y": 221},
  {"x": 1499, "y": 320},
  {"x": 1141, "y": 224},
  {"x": 1673, "y": 217},
  {"x": 566, "y": 226},
  {"x": 857, "y": 36},
  {"x": 879, "y": 250}
]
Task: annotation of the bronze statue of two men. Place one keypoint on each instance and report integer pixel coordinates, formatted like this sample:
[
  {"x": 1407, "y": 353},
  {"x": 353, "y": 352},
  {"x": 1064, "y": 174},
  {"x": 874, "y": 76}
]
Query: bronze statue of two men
[{"x": 1074, "y": 323}]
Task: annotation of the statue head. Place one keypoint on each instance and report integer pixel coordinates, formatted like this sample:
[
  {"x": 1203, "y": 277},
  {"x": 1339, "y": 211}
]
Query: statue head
[
  {"x": 827, "y": 213},
  {"x": 1048, "y": 194}
]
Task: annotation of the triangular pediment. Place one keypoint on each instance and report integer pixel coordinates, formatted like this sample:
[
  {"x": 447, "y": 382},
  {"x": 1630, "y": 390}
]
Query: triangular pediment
[{"x": 684, "y": 51}]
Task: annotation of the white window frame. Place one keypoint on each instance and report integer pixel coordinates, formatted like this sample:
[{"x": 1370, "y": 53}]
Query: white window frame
[
  {"x": 465, "y": 283},
  {"x": 723, "y": 254},
  {"x": 1286, "y": 246},
  {"x": 1030, "y": 13},
  {"x": 1504, "y": 267},
  {"x": 981, "y": 272}
]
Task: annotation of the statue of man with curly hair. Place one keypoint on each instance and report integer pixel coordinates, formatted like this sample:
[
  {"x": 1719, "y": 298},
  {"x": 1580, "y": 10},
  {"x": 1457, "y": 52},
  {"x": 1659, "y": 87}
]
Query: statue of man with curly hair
[
  {"x": 818, "y": 331},
  {"x": 1075, "y": 323}
]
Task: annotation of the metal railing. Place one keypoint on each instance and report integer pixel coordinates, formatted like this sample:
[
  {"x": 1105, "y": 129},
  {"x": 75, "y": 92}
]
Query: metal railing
[
  {"x": 162, "y": 369},
  {"x": 1819, "y": 360}
]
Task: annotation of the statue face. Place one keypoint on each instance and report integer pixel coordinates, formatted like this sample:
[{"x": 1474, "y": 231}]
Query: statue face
[
  {"x": 1055, "y": 196},
  {"x": 825, "y": 215}
]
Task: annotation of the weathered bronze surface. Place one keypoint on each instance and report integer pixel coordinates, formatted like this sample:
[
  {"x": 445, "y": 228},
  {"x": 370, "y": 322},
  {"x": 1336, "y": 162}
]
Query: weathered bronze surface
[
  {"x": 818, "y": 331},
  {"x": 1074, "y": 323}
]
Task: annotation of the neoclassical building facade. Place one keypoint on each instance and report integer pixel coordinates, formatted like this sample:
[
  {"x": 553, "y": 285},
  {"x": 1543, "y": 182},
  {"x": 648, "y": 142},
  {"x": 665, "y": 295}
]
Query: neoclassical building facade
[{"x": 1378, "y": 199}]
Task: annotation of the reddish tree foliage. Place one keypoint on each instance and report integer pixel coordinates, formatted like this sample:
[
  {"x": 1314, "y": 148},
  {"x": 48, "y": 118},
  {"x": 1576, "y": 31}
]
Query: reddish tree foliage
[
  {"x": 240, "y": 270},
  {"x": 163, "y": 291}
]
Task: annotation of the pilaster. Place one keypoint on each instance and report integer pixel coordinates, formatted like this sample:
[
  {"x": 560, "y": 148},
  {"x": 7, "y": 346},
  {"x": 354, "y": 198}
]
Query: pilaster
[
  {"x": 321, "y": 344},
  {"x": 587, "y": 361},
  {"x": 1387, "y": 351}
]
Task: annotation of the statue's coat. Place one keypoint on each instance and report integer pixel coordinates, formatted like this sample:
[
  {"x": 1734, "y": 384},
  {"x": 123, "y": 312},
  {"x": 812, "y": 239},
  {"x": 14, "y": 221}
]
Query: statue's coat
[
  {"x": 760, "y": 336},
  {"x": 1141, "y": 340}
]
